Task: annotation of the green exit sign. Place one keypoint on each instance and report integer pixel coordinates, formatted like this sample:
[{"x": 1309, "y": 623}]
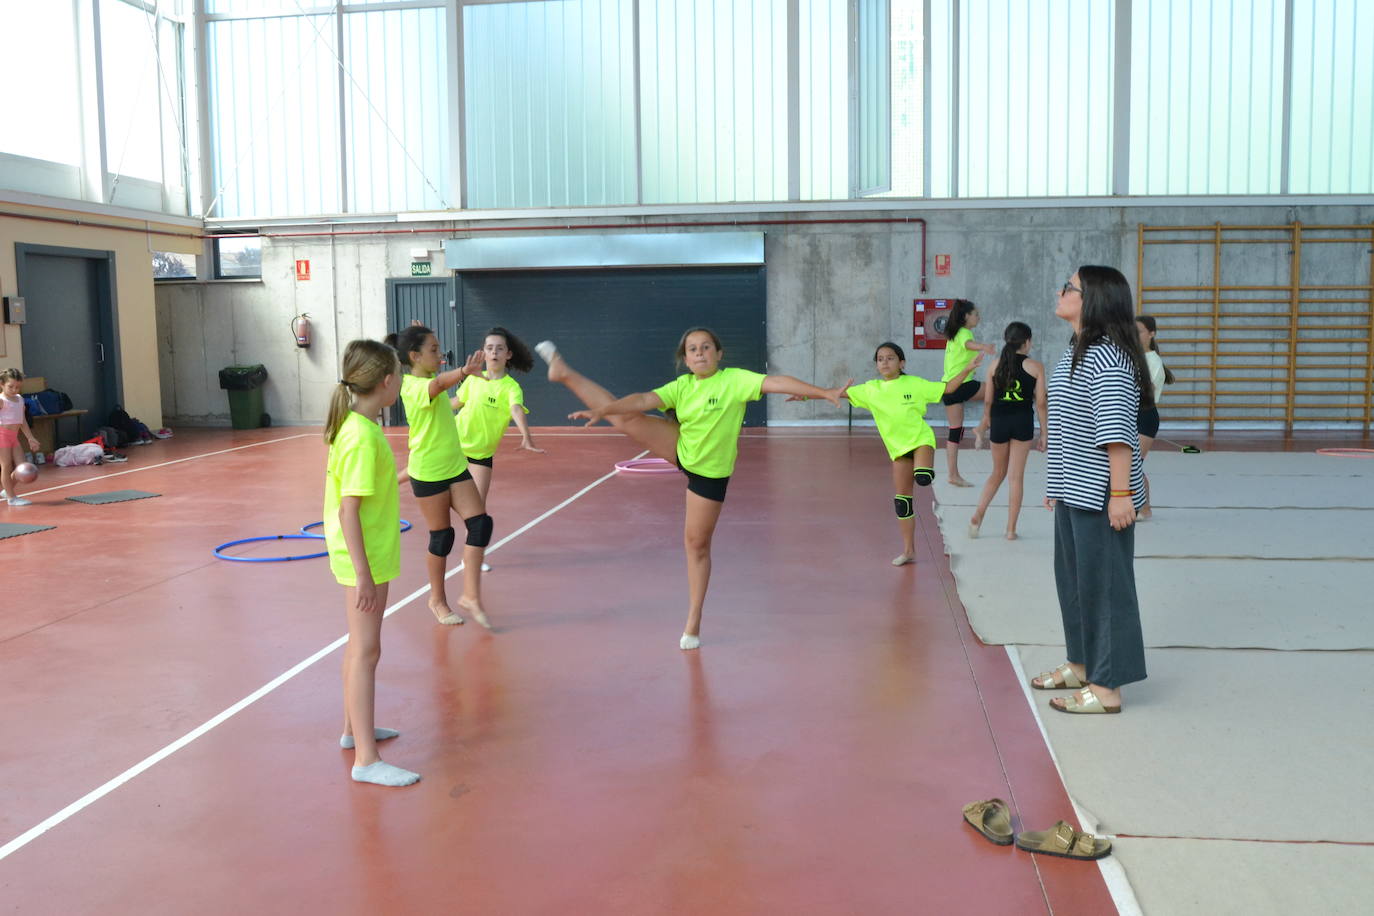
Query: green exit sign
[{"x": 420, "y": 268}]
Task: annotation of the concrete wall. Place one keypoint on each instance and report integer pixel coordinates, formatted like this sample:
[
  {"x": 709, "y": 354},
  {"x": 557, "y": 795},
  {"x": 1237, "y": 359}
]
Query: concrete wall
[
  {"x": 834, "y": 292},
  {"x": 132, "y": 244}
]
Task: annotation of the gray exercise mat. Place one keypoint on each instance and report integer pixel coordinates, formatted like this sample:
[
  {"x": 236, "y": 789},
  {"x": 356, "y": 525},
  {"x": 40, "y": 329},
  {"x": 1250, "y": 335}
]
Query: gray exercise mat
[
  {"x": 1204, "y": 878},
  {"x": 112, "y": 496},
  {"x": 1234, "y": 744},
  {"x": 8, "y": 530},
  {"x": 1219, "y": 479},
  {"x": 1264, "y": 604}
]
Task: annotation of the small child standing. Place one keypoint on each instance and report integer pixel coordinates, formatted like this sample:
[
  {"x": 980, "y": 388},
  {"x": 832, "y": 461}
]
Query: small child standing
[
  {"x": 362, "y": 523},
  {"x": 12, "y": 422}
]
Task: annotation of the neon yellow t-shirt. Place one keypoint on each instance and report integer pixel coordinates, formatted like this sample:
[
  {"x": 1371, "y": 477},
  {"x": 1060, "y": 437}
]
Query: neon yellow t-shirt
[
  {"x": 486, "y": 412},
  {"x": 361, "y": 464},
  {"x": 899, "y": 407},
  {"x": 435, "y": 452},
  {"x": 710, "y": 412},
  {"x": 958, "y": 356}
]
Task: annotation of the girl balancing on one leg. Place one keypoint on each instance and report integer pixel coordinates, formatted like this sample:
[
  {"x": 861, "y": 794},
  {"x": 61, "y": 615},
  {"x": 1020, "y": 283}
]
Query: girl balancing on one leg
[
  {"x": 438, "y": 471},
  {"x": 704, "y": 441},
  {"x": 487, "y": 404},
  {"x": 1015, "y": 391},
  {"x": 362, "y": 525},
  {"x": 1148, "y": 420},
  {"x": 1094, "y": 485},
  {"x": 961, "y": 350},
  {"x": 898, "y": 402}
]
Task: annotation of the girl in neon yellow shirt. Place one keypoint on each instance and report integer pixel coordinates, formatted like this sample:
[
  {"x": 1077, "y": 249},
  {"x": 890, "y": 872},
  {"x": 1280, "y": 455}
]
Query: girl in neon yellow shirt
[
  {"x": 703, "y": 441},
  {"x": 362, "y": 533},
  {"x": 898, "y": 402},
  {"x": 487, "y": 403},
  {"x": 960, "y": 353},
  {"x": 438, "y": 471}
]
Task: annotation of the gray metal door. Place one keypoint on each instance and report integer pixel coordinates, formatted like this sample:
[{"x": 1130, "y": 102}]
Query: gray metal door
[
  {"x": 70, "y": 336},
  {"x": 431, "y": 302}
]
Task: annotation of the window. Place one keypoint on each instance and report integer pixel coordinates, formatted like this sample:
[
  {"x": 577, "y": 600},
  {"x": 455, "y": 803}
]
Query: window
[
  {"x": 171, "y": 265},
  {"x": 237, "y": 257},
  {"x": 550, "y": 103}
]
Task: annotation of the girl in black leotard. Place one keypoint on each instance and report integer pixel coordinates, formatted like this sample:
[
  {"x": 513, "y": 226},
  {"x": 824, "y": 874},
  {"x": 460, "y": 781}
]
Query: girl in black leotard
[{"x": 1014, "y": 393}]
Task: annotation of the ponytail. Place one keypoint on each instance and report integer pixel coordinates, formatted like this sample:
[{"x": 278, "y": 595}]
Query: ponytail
[
  {"x": 407, "y": 341},
  {"x": 366, "y": 363},
  {"x": 1151, "y": 326},
  {"x": 962, "y": 309},
  {"x": 1016, "y": 334}
]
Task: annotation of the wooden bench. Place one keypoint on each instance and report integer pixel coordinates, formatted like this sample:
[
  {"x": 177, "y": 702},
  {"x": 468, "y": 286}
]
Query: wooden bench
[{"x": 44, "y": 426}]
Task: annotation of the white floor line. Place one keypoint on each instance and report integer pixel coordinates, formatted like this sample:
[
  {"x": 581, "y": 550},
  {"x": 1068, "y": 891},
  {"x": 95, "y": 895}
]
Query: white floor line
[
  {"x": 95, "y": 795},
  {"x": 149, "y": 467},
  {"x": 1113, "y": 874}
]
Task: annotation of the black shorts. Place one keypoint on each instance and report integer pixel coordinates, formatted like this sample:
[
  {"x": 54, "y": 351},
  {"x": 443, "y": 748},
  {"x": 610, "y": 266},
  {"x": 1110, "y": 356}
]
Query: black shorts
[
  {"x": 1147, "y": 422},
  {"x": 423, "y": 488},
  {"x": 712, "y": 488},
  {"x": 484, "y": 462},
  {"x": 1018, "y": 425},
  {"x": 961, "y": 394}
]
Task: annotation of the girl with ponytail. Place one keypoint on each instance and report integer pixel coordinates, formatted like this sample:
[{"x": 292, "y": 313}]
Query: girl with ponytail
[
  {"x": 362, "y": 526},
  {"x": 1148, "y": 419},
  {"x": 960, "y": 353},
  {"x": 1016, "y": 393}
]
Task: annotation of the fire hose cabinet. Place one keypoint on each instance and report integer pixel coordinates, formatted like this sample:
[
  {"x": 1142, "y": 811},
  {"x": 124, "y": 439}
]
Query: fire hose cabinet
[{"x": 928, "y": 319}]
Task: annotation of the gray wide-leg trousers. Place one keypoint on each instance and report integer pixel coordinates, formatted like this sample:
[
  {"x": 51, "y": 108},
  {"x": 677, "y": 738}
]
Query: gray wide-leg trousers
[{"x": 1094, "y": 570}]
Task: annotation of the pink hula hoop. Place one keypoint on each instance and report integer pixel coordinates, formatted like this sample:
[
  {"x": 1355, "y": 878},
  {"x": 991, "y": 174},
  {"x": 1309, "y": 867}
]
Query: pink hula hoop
[
  {"x": 1347, "y": 452},
  {"x": 646, "y": 466}
]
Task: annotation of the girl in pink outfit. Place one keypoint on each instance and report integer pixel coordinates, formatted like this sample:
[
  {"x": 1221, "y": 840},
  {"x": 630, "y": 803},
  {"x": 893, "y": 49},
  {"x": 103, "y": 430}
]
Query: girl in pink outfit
[{"x": 12, "y": 421}]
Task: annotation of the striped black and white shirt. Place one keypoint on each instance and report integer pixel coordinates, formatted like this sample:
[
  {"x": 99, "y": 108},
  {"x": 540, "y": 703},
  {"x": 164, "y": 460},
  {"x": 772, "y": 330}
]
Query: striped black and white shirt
[{"x": 1089, "y": 409}]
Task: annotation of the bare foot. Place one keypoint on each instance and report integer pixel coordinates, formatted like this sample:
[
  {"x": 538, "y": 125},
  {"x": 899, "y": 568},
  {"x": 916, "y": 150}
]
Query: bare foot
[
  {"x": 1011, "y": 535},
  {"x": 444, "y": 614},
  {"x": 959, "y": 482},
  {"x": 475, "y": 609},
  {"x": 1144, "y": 514},
  {"x": 903, "y": 560}
]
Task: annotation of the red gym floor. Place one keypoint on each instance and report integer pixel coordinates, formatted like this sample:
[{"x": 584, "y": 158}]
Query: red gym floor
[{"x": 812, "y": 757}]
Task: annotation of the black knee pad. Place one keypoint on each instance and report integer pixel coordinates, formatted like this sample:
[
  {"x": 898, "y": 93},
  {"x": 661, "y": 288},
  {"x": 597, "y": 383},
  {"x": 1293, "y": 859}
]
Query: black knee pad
[
  {"x": 903, "y": 506},
  {"x": 924, "y": 476},
  {"x": 441, "y": 542},
  {"x": 956, "y": 434},
  {"x": 479, "y": 530}
]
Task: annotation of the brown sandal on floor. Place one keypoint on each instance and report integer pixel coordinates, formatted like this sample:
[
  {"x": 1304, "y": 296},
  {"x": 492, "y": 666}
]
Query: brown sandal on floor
[
  {"x": 1063, "y": 841},
  {"x": 1066, "y": 679},
  {"x": 991, "y": 819},
  {"x": 1082, "y": 702}
]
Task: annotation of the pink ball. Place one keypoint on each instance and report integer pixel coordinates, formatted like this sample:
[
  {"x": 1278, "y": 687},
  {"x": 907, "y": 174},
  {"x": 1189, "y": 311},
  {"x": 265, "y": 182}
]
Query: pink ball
[{"x": 25, "y": 473}]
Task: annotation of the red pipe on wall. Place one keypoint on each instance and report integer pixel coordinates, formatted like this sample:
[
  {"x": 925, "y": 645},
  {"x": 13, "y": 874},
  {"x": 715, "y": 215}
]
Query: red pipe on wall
[{"x": 335, "y": 233}]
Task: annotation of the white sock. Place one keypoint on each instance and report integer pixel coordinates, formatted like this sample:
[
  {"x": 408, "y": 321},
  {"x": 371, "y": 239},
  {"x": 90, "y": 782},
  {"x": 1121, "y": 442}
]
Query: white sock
[
  {"x": 546, "y": 350},
  {"x": 378, "y": 734},
  {"x": 689, "y": 642},
  {"x": 384, "y": 774}
]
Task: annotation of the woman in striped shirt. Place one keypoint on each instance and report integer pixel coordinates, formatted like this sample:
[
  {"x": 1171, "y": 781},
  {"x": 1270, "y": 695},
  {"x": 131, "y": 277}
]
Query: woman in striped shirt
[{"x": 1095, "y": 485}]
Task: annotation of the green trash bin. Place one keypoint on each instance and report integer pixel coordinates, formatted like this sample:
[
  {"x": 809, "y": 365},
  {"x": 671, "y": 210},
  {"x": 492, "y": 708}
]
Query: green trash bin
[{"x": 244, "y": 386}]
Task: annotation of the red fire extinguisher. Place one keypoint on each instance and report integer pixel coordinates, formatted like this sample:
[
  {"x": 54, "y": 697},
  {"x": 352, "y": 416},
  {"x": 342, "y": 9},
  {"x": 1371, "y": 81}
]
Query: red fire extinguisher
[{"x": 300, "y": 326}]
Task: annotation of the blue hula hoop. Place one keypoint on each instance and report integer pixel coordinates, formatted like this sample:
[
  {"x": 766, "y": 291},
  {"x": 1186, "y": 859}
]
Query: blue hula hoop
[
  {"x": 270, "y": 537},
  {"x": 305, "y": 529},
  {"x": 305, "y": 535}
]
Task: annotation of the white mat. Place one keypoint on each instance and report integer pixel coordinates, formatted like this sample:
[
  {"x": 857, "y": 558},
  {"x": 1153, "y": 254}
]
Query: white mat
[
  {"x": 1230, "y": 744},
  {"x": 1188, "y": 603},
  {"x": 1198, "y": 878},
  {"x": 1217, "y": 479},
  {"x": 1298, "y": 578}
]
